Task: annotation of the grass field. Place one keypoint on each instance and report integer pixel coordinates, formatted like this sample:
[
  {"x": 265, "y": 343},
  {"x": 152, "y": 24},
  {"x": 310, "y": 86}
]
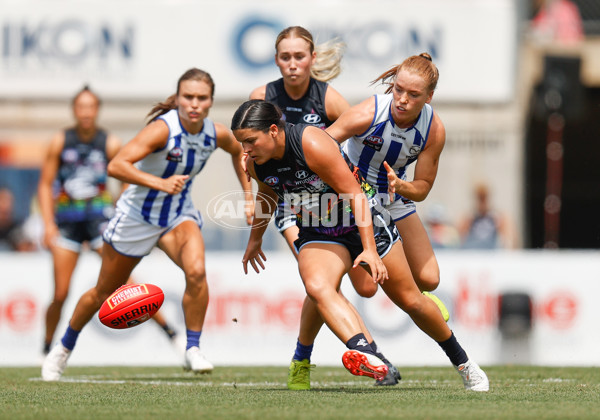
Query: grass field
[{"x": 168, "y": 393}]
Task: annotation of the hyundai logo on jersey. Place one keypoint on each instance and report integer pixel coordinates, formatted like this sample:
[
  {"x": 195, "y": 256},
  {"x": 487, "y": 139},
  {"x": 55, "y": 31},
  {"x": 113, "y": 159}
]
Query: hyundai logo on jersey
[
  {"x": 302, "y": 174},
  {"x": 312, "y": 118}
]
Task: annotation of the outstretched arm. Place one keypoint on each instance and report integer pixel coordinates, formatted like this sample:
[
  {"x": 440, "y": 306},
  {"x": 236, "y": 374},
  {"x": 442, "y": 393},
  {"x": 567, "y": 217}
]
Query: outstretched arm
[
  {"x": 353, "y": 122},
  {"x": 266, "y": 203}
]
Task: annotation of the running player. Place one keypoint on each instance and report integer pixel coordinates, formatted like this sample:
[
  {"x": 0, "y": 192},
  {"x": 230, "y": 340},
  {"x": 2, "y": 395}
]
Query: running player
[
  {"x": 160, "y": 163},
  {"x": 74, "y": 201},
  {"x": 336, "y": 232},
  {"x": 304, "y": 96}
]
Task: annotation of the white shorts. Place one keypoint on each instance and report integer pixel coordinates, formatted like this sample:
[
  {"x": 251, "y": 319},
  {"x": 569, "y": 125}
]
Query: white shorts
[
  {"x": 134, "y": 238},
  {"x": 401, "y": 208}
]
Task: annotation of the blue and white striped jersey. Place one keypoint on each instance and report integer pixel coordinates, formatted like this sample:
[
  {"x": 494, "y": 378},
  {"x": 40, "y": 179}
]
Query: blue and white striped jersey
[
  {"x": 384, "y": 141},
  {"x": 184, "y": 154}
]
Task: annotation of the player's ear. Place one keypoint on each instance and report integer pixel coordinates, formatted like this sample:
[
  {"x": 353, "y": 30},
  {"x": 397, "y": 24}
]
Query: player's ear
[{"x": 274, "y": 130}]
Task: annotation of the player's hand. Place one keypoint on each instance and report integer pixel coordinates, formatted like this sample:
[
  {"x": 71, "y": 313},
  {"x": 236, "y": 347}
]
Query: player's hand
[
  {"x": 376, "y": 267},
  {"x": 254, "y": 255},
  {"x": 393, "y": 181},
  {"x": 245, "y": 166},
  {"x": 174, "y": 184}
]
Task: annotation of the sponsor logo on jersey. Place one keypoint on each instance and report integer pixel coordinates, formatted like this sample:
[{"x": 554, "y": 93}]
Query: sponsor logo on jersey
[
  {"x": 374, "y": 142},
  {"x": 287, "y": 168},
  {"x": 271, "y": 180},
  {"x": 175, "y": 154},
  {"x": 301, "y": 174},
  {"x": 312, "y": 118},
  {"x": 400, "y": 136}
]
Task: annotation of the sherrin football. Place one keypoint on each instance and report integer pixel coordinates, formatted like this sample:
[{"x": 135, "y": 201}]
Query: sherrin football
[{"x": 131, "y": 305}]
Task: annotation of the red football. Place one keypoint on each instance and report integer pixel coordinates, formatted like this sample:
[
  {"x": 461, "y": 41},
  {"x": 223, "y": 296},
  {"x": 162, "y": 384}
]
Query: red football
[{"x": 130, "y": 305}]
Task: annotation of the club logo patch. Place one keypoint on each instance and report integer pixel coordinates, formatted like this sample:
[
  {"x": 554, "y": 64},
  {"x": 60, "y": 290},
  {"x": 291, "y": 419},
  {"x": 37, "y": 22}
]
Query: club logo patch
[
  {"x": 374, "y": 142},
  {"x": 175, "y": 154},
  {"x": 271, "y": 180}
]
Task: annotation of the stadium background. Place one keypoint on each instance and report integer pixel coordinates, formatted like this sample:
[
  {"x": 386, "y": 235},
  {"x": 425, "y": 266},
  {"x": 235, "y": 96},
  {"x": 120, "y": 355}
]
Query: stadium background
[{"x": 494, "y": 77}]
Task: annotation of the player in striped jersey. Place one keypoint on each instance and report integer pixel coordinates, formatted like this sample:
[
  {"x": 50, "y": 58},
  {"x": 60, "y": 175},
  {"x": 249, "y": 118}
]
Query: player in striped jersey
[
  {"x": 386, "y": 133},
  {"x": 74, "y": 201},
  {"x": 160, "y": 163}
]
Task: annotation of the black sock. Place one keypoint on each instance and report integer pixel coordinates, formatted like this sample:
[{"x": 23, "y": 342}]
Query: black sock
[
  {"x": 46, "y": 349},
  {"x": 379, "y": 354},
  {"x": 454, "y": 351},
  {"x": 169, "y": 331},
  {"x": 359, "y": 342}
]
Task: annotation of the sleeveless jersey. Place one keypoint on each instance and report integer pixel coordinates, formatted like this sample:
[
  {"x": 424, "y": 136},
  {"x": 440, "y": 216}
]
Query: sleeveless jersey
[
  {"x": 310, "y": 109},
  {"x": 384, "y": 141},
  {"x": 80, "y": 184},
  {"x": 317, "y": 206},
  {"x": 184, "y": 154}
]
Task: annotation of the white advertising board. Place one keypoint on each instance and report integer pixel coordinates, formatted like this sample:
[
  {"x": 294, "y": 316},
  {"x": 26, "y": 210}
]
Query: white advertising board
[
  {"x": 138, "y": 49},
  {"x": 253, "y": 319}
]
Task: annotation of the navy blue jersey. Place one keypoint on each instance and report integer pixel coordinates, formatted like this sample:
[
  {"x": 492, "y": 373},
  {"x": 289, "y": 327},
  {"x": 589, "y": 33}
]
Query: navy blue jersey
[
  {"x": 317, "y": 205},
  {"x": 310, "y": 109},
  {"x": 80, "y": 184}
]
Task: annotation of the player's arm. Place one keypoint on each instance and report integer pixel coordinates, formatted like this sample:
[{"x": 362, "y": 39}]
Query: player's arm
[
  {"x": 323, "y": 158},
  {"x": 259, "y": 93},
  {"x": 227, "y": 142},
  {"x": 426, "y": 166},
  {"x": 152, "y": 137},
  {"x": 45, "y": 191},
  {"x": 356, "y": 120},
  {"x": 335, "y": 104},
  {"x": 266, "y": 203}
]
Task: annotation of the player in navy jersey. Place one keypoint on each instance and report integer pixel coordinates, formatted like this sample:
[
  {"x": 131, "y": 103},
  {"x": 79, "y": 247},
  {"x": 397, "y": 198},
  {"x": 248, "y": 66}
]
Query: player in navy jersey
[
  {"x": 74, "y": 200},
  {"x": 303, "y": 165},
  {"x": 304, "y": 96},
  {"x": 160, "y": 163}
]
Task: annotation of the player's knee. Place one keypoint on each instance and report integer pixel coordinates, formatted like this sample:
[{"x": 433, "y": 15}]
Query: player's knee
[
  {"x": 196, "y": 275},
  {"x": 428, "y": 280},
  {"x": 366, "y": 289},
  {"x": 315, "y": 289}
]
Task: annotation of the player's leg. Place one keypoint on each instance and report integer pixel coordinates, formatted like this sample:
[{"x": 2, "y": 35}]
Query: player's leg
[
  {"x": 403, "y": 291},
  {"x": 421, "y": 258},
  {"x": 185, "y": 246},
  {"x": 114, "y": 272},
  {"x": 419, "y": 253},
  {"x": 322, "y": 282},
  {"x": 64, "y": 261}
]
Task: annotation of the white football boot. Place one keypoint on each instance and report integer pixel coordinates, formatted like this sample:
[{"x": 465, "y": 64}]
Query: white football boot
[
  {"x": 55, "y": 362},
  {"x": 196, "y": 362},
  {"x": 473, "y": 377}
]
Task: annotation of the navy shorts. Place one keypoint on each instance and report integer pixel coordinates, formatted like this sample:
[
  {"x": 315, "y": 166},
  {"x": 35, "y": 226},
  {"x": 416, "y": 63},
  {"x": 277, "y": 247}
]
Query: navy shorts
[
  {"x": 74, "y": 234},
  {"x": 284, "y": 217},
  {"x": 384, "y": 228}
]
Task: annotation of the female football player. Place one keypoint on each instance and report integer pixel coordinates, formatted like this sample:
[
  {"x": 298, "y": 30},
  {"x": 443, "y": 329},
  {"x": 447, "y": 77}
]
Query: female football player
[
  {"x": 74, "y": 201},
  {"x": 304, "y": 96},
  {"x": 336, "y": 232},
  {"x": 160, "y": 163}
]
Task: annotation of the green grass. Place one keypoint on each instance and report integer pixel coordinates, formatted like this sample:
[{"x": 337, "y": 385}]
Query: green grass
[{"x": 168, "y": 393}]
